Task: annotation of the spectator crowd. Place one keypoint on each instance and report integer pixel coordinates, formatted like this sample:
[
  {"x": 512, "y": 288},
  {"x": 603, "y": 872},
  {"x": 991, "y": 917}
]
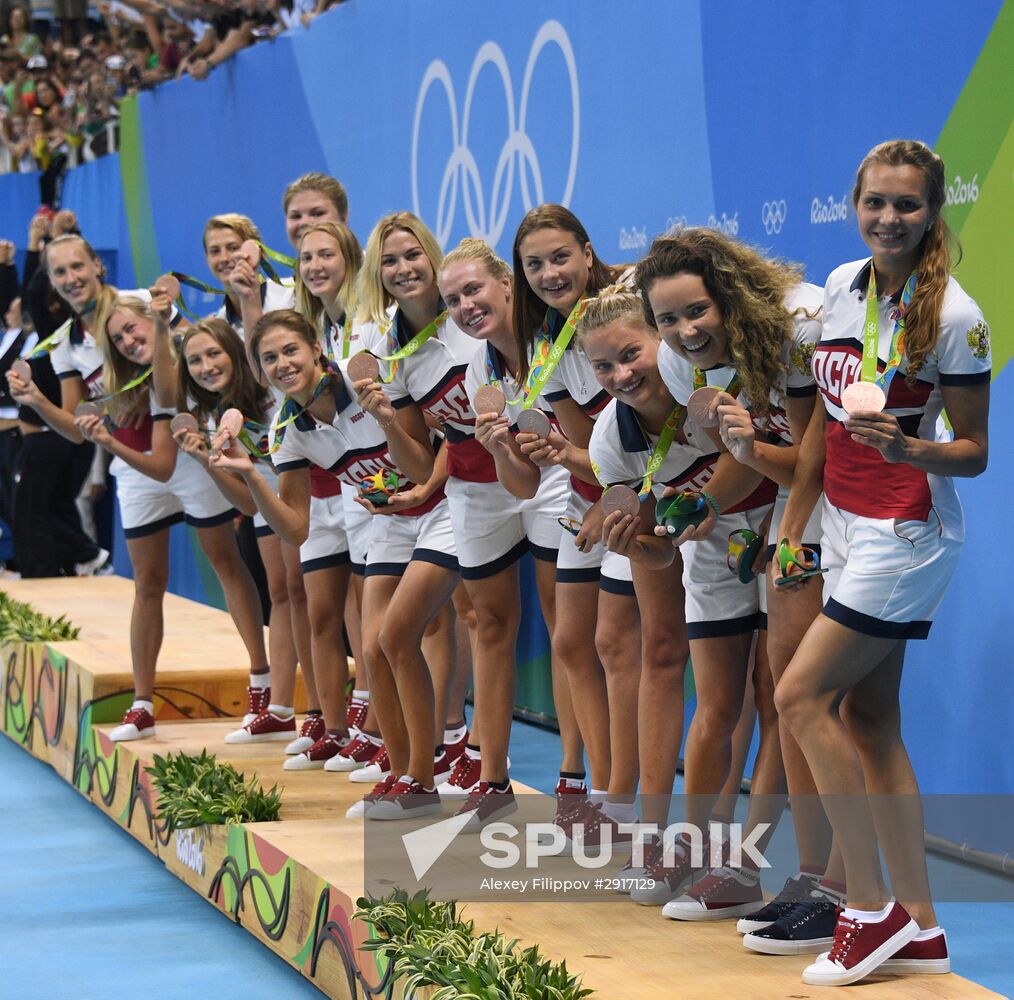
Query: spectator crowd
[{"x": 62, "y": 80}]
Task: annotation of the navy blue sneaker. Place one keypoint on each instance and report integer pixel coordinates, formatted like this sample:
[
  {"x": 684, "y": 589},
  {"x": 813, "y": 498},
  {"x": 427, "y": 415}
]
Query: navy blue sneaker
[
  {"x": 795, "y": 890},
  {"x": 808, "y": 928}
]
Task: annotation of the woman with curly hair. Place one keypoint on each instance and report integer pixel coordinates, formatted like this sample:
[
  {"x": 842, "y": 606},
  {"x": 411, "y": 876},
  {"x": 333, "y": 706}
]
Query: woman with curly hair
[
  {"x": 747, "y": 325},
  {"x": 892, "y": 531}
]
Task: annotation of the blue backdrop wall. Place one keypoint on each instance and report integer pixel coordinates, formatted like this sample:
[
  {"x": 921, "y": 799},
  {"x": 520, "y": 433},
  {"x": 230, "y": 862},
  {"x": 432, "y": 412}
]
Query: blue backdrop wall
[{"x": 639, "y": 116}]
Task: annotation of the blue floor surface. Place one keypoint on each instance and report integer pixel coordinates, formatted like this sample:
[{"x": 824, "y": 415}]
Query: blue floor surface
[{"x": 69, "y": 930}]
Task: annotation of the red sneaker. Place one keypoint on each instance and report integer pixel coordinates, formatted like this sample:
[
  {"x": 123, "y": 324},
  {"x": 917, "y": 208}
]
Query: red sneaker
[
  {"x": 861, "y": 947},
  {"x": 378, "y": 768},
  {"x": 443, "y": 768},
  {"x": 464, "y": 777},
  {"x": 921, "y": 958},
  {"x": 665, "y": 883},
  {"x": 722, "y": 894},
  {"x": 138, "y": 724},
  {"x": 257, "y": 701},
  {"x": 591, "y": 826},
  {"x": 405, "y": 799},
  {"x": 313, "y": 729},
  {"x": 568, "y": 799},
  {"x": 265, "y": 727},
  {"x": 315, "y": 758},
  {"x": 487, "y": 804},
  {"x": 356, "y": 754},
  {"x": 355, "y": 713},
  {"x": 456, "y": 749},
  {"x": 380, "y": 789},
  {"x": 631, "y": 874}
]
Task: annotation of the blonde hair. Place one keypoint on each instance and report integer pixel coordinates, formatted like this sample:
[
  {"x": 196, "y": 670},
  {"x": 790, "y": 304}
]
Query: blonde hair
[
  {"x": 119, "y": 370},
  {"x": 374, "y": 299},
  {"x": 242, "y": 225},
  {"x": 922, "y": 317},
  {"x": 475, "y": 251},
  {"x": 613, "y": 304},
  {"x": 330, "y": 187},
  {"x": 310, "y": 305}
]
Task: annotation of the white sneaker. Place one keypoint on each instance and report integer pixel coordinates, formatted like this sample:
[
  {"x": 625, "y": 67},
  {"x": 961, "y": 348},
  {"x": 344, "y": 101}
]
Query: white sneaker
[
  {"x": 95, "y": 567},
  {"x": 137, "y": 724}
]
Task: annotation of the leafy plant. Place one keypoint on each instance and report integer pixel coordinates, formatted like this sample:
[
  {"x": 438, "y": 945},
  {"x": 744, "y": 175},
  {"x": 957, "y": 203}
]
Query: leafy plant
[
  {"x": 20, "y": 622},
  {"x": 197, "y": 790},
  {"x": 430, "y": 945}
]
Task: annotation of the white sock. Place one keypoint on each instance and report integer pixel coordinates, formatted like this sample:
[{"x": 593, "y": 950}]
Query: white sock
[
  {"x": 474, "y": 754},
  {"x": 141, "y": 703},
  {"x": 363, "y": 696},
  {"x": 597, "y": 794},
  {"x": 868, "y": 916},
  {"x": 621, "y": 812},
  {"x": 928, "y": 934},
  {"x": 282, "y": 710},
  {"x": 454, "y": 735},
  {"x": 260, "y": 681}
]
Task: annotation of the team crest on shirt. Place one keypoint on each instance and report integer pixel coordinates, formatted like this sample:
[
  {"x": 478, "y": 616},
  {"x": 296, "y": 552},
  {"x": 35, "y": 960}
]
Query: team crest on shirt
[
  {"x": 978, "y": 340},
  {"x": 801, "y": 357}
]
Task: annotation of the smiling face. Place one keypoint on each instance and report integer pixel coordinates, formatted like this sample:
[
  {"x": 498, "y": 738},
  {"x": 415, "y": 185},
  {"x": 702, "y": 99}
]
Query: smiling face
[
  {"x": 405, "y": 271},
  {"x": 894, "y": 214},
  {"x": 322, "y": 265},
  {"x": 623, "y": 357},
  {"x": 208, "y": 363},
  {"x": 221, "y": 248},
  {"x": 289, "y": 363},
  {"x": 689, "y": 320},
  {"x": 132, "y": 335},
  {"x": 75, "y": 274},
  {"x": 556, "y": 267},
  {"x": 307, "y": 208},
  {"x": 478, "y": 302}
]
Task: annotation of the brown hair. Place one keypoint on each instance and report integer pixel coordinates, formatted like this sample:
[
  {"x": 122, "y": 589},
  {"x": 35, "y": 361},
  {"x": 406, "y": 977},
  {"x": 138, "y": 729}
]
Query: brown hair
[
  {"x": 922, "y": 317},
  {"x": 288, "y": 319},
  {"x": 529, "y": 309},
  {"x": 244, "y": 391},
  {"x": 308, "y": 304},
  {"x": 324, "y": 184},
  {"x": 242, "y": 225},
  {"x": 749, "y": 290}
]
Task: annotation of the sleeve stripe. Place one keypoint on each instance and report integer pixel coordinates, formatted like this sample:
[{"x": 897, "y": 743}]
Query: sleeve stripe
[{"x": 972, "y": 378}]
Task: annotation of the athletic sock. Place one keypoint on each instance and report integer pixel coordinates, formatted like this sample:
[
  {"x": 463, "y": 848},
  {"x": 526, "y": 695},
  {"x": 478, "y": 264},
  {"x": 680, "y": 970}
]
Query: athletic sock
[
  {"x": 620, "y": 812},
  {"x": 455, "y": 733},
  {"x": 363, "y": 696},
  {"x": 261, "y": 681},
  {"x": 283, "y": 711},
  {"x": 314, "y": 711},
  {"x": 141, "y": 703},
  {"x": 868, "y": 916},
  {"x": 472, "y": 751},
  {"x": 929, "y": 933},
  {"x": 500, "y": 786},
  {"x": 438, "y": 750}
]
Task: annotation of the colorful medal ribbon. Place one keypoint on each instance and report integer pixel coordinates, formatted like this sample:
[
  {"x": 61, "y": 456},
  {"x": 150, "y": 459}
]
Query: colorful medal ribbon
[
  {"x": 544, "y": 366},
  {"x": 132, "y": 384},
  {"x": 196, "y": 283},
  {"x": 661, "y": 449},
  {"x": 871, "y": 333},
  {"x": 540, "y": 353},
  {"x": 346, "y": 340},
  {"x": 52, "y": 342},
  {"x": 412, "y": 346},
  {"x": 268, "y": 255},
  {"x": 291, "y": 411},
  {"x": 733, "y": 388}
]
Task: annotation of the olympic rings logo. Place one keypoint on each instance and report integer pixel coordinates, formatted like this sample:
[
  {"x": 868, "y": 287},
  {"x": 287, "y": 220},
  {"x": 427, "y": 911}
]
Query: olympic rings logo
[
  {"x": 487, "y": 219},
  {"x": 773, "y": 215}
]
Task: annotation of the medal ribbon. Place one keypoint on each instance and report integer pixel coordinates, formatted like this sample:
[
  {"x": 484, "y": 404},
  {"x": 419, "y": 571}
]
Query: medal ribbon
[
  {"x": 133, "y": 383},
  {"x": 540, "y": 353},
  {"x": 541, "y": 369},
  {"x": 196, "y": 283},
  {"x": 412, "y": 346},
  {"x": 346, "y": 340},
  {"x": 292, "y": 411},
  {"x": 268, "y": 255},
  {"x": 53, "y": 341},
  {"x": 871, "y": 334},
  {"x": 661, "y": 449},
  {"x": 701, "y": 380}
]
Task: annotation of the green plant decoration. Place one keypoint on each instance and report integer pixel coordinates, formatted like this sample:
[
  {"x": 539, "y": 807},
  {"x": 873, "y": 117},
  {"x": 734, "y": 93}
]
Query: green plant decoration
[{"x": 20, "y": 622}]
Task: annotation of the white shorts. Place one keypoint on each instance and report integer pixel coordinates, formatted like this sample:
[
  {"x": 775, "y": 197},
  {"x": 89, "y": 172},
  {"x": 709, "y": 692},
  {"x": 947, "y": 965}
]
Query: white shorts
[
  {"x": 261, "y": 526},
  {"x": 147, "y": 506},
  {"x": 887, "y": 576},
  {"x": 598, "y": 565},
  {"x": 493, "y": 528},
  {"x": 327, "y": 545},
  {"x": 811, "y": 537},
  {"x": 358, "y": 528},
  {"x": 717, "y": 603},
  {"x": 398, "y": 539}
]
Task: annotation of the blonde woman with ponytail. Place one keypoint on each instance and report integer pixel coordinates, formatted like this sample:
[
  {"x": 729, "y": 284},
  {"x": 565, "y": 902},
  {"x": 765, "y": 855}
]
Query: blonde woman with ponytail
[{"x": 892, "y": 534}]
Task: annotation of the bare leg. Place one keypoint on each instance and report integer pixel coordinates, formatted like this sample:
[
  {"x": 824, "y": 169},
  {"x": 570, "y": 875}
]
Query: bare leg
[
  {"x": 419, "y": 595},
  {"x": 465, "y": 632},
  {"x": 300, "y": 621},
  {"x": 578, "y": 676},
  {"x": 241, "y": 598},
  {"x": 619, "y": 625},
  {"x": 325, "y": 590},
  {"x": 280, "y": 642},
  {"x": 354, "y": 629},
  {"x": 438, "y": 650},
  {"x": 724, "y": 810},
  {"x": 149, "y": 556}
]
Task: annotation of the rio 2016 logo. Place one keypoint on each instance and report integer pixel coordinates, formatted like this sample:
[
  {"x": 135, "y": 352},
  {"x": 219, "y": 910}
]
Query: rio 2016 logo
[{"x": 486, "y": 208}]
